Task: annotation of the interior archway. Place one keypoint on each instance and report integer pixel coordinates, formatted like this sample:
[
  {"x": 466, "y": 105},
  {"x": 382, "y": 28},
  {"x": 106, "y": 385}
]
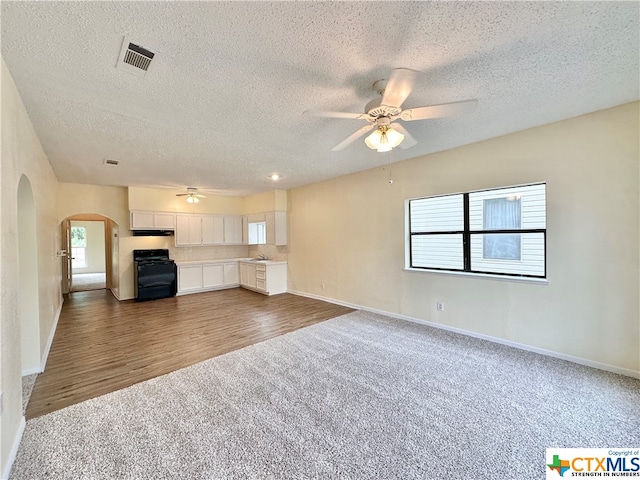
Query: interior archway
[
  {"x": 28, "y": 301},
  {"x": 110, "y": 250}
]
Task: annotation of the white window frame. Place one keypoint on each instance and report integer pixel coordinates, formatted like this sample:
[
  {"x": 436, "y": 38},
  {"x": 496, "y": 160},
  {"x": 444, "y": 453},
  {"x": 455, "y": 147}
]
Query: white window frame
[{"x": 257, "y": 233}]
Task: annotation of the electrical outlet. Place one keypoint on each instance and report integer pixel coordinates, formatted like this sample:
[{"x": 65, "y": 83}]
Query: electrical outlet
[{"x": 440, "y": 306}]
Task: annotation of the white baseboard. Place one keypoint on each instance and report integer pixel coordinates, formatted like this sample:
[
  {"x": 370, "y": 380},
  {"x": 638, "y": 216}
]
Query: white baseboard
[
  {"x": 550, "y": 353},
  {"x": 52, "y": 333},
  {"x": 31, "y": 371},
  {"x": 6, "y": 470}
]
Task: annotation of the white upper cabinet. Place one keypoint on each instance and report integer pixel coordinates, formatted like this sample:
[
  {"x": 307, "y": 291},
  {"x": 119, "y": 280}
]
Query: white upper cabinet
[
  {"x": 188, "y": 230},
  {"x": 233, "y": 229},
  {"x": 276, "y": 228},
  {"x": 165, "y": 221},
  {"x": 212, "y": 229},
  {"x": 152, "y": 220},
  {"x": 208, "y": 230}
]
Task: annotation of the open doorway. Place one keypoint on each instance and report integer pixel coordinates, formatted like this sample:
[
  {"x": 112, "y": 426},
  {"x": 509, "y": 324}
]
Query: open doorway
[
  {"x": 87, "y": 239},
  {"x": 88, "y": 262}
]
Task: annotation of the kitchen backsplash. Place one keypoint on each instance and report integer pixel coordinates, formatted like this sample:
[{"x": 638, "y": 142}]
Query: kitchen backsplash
[
  {"x": 270, "y": 251},
  {"x": 188, "y": 254}
]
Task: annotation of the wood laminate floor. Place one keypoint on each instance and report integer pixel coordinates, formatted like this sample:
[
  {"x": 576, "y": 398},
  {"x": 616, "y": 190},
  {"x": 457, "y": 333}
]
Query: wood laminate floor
[{"x": 102, "y": 345}]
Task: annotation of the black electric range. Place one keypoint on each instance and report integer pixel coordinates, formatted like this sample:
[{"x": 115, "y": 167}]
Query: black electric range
[{"x": 155, "y": 274}]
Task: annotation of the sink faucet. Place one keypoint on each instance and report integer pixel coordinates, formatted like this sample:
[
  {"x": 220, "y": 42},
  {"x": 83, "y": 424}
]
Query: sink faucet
[{"x": 262, "y": 256}]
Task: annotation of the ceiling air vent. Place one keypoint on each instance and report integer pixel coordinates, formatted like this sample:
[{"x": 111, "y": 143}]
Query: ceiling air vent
[
  {"x": 134, "y": 58},
  {"x": 108, "y": 161}
]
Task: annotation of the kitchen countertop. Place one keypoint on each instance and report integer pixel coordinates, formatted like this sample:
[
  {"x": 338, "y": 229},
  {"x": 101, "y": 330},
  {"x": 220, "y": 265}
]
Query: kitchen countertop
[
  {"x": 263, "y": 262},
  {"x": 228, "y": 260}
]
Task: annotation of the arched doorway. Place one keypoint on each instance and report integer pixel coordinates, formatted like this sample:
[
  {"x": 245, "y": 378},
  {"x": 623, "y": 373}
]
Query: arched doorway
[
  {"x": 88, "y": 255},
  {"x": 108, "y": 245},
  {"x": 28, "y": 299}
]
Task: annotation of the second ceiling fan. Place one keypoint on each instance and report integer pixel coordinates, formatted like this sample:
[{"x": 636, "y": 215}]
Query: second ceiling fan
[
  {"x": 192, "y": 195},
  {"x": 381, "y": 113}
]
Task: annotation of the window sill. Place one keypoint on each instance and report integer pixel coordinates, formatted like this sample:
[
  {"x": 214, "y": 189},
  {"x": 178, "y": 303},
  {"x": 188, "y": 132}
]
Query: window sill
[{"x": 504, "y": 278}]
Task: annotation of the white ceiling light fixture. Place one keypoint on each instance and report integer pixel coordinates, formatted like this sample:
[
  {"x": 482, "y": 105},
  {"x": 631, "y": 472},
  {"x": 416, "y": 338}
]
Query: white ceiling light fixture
[
  {"x": 192, "y": 195},
  {"x": 275, "y": 177},
  {"x": 384, "y": 139}
]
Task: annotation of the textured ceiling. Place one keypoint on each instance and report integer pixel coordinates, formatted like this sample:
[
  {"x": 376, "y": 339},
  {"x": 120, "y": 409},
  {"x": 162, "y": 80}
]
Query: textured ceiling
[{"x": 222, "y": 106}]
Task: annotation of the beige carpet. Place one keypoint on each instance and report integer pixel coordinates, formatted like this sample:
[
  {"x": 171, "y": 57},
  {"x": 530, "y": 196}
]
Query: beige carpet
[
  {"x": 88, "y": 281},
  {"x": 357, "y": 397},
  {"x": 28, "y": 382}
]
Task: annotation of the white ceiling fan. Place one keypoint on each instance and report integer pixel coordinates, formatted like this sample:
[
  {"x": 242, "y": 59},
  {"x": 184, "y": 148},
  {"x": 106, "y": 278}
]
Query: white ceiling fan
[
  {"x": 381, "y": 113},
  {"x": 192, "y": 195}
]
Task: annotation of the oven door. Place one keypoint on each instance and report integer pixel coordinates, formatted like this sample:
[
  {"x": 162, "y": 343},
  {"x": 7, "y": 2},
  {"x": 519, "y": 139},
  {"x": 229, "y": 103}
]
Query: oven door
[{"x": 155, "y": 280}]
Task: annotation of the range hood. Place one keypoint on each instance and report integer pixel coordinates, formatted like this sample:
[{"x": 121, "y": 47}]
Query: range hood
[{"x": 152, "y": 233}]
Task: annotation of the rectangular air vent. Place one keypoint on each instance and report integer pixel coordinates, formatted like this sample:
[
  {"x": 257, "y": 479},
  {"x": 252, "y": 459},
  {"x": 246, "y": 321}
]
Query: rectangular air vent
[
  {"x": 108, "y": 161},
  {"x": 135, "y": 58}
]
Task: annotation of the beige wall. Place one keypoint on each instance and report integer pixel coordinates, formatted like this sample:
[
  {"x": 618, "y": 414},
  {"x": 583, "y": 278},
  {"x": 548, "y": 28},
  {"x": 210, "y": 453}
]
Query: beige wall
[
  {"x": 22, "y": 154},
  {"x": 259, "y": 203},
  {"x": 348, "y": 235},
  {"x": 111, "y": 202},
  {"x": 165, "y": 200},
  {"x": 265, "y": 202}
]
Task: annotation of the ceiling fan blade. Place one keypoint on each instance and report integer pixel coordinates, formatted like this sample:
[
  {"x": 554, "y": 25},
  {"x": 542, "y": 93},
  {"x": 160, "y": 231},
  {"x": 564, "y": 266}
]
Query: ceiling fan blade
[
  {"x": 398, "y": 87},
  {"x": 352, "y": 138},
  {"x": 408, "y": 141},
  {"x": 325, "y": 114},
  {"x": 439, "y": 111}
]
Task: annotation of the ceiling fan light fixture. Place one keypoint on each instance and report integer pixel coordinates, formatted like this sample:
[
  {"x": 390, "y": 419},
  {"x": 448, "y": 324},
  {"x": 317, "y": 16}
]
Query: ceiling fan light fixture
[
  {"x": 192, "y": 199},
  {"x": 384, "y": 139},
  {"x": 394, "y": 137},
  {"x": 384, "y": 147}
]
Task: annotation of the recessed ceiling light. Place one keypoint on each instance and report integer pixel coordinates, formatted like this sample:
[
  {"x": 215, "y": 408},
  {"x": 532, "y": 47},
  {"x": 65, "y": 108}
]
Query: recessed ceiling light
[{"x": 275, "y": 177}]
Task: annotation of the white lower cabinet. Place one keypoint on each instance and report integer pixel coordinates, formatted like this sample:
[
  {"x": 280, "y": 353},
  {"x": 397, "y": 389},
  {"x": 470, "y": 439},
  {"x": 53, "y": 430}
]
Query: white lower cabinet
[
  {"x": 203, "y": 277},
  {"x": 248, "y": 275},
  {"x": 189, "y": 278},
  {"x": 231, "y": 274},
  {"x": 269, "y": 278},
  {"x": 213, "y": 275}
]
